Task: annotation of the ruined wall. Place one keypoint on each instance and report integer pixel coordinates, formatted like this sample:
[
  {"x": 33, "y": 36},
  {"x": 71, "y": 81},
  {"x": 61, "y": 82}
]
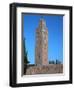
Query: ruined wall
[{"x": 50, "y": 69}]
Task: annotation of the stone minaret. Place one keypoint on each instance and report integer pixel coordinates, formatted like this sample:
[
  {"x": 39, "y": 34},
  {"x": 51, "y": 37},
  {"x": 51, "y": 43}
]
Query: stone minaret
[{"x": 41, "y": 49}]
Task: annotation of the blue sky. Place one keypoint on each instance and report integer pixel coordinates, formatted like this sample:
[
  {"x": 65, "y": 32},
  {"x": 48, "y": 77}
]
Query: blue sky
[{"x": 54, "y": 24}]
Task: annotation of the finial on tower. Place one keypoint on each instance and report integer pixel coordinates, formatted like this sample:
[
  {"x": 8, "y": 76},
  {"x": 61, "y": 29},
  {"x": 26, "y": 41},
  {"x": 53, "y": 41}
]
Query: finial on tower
[
  {"x": 42, "y": 23},
  {"x": 42, "y": 18}
]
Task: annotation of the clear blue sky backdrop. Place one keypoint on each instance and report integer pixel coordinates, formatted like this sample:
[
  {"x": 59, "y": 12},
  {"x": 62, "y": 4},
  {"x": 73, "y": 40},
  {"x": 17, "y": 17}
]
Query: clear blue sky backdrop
[{"x": 54, "y": 24}]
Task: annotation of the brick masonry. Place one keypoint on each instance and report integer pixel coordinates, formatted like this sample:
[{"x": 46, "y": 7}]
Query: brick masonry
[
  {"x": 49, "y": 69},
  {"x": 41, "y": 49}
]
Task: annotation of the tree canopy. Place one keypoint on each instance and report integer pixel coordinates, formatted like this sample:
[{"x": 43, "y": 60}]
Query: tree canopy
[{"x": 25, "y": 54}]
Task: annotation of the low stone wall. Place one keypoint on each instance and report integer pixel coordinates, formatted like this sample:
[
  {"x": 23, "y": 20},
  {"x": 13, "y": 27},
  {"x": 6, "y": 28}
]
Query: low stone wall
[{"x": 49, "y": 69}]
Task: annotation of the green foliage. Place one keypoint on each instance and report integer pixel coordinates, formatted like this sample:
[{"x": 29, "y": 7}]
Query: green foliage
[
  {"x": 26, "y": 59},
  {"x": 58, "y": 62},
  {"x": 25, "y": 55},
  {"x": 55, "y": 62},
  {"x": 52, "y": 62}
]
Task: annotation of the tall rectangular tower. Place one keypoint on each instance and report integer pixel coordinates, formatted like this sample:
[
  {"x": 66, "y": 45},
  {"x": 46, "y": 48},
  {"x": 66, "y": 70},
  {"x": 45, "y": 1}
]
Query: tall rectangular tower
[{"x": 41, "y": 49}]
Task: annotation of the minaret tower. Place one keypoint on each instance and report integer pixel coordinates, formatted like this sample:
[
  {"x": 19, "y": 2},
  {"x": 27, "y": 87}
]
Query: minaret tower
[{"x": 41, "y": 49}]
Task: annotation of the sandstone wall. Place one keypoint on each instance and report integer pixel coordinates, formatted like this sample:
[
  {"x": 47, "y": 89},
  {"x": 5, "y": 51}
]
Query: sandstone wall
[{"x": 50, "y": 69}]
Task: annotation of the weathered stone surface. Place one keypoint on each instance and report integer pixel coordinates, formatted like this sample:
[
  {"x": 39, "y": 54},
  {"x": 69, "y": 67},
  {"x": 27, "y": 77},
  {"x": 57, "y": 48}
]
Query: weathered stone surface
[
  {"x": 41, "y": 49},
  {"x": 49, "y": 69}
]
